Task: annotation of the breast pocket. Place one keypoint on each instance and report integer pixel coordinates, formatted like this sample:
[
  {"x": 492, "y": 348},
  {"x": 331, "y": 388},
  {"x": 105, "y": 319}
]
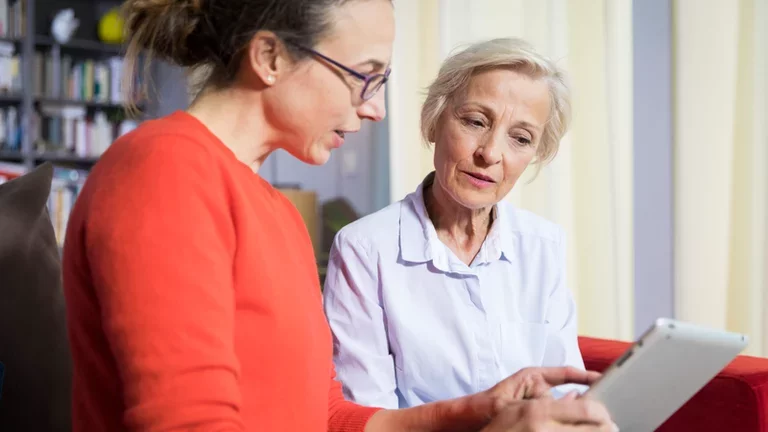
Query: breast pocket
[{"x": 523, "y": 345}]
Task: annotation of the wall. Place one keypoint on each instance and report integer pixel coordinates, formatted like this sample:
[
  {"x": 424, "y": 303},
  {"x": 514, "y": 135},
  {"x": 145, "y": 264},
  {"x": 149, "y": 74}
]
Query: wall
[
  {"x": 169, "y": 94},
  {"x": 350, "y": 172},
  {"x": 653, "y": 200}
]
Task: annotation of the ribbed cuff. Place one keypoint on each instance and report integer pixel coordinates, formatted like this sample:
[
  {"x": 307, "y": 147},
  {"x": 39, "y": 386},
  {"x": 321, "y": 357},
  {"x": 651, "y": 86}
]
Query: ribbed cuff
[{"x": 351, "y": 418}]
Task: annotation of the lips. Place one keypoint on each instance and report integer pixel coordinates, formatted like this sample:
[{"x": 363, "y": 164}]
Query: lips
[{"x": 480, "y": 176}]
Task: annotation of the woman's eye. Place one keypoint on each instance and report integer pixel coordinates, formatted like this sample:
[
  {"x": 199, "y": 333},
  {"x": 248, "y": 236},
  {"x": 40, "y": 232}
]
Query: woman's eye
[
  {"x": 523, "y": 140},
  {"x": 474, "y": 122}
]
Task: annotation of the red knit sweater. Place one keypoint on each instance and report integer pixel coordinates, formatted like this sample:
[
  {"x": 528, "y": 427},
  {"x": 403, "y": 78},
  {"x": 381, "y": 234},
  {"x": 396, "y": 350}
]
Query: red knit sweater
[{"x": 192, "y": 295}]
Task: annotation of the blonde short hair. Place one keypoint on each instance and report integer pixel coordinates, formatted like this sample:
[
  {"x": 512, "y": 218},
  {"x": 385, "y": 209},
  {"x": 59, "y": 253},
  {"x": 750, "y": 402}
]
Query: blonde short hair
[{"x": 506, "y": 53}]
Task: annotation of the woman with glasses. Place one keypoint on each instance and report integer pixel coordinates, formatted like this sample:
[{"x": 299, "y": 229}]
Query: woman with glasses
[{"x": 193, "y": 300}]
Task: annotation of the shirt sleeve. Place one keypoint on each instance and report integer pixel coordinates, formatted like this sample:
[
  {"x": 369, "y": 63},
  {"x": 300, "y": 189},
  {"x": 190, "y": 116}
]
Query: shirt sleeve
[
  {"x": 159, "y": 245},
  {"x": 363, "y": 362},
  {"x": 562, "y": 341}
]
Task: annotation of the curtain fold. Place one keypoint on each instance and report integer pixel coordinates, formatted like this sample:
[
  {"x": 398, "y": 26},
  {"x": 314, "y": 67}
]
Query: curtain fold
[
  {"x": 721, "y": 186},
  {"x": 415, "y": 63},
  {"x": 600, "y": 35}
]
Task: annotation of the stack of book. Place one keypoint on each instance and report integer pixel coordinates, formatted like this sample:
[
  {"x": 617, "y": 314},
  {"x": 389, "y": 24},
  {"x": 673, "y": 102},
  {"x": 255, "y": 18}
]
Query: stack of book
[
  {"x": 12, "y": 14},
  {"x": 10, "y": 69},
  {"x": 10, "y": 129},
  {"x": 9, "y": 171},
  {"x": 66, "y": 186},
  {"x": 72, "y": 130},
  {"x": 78, "y": 80}
]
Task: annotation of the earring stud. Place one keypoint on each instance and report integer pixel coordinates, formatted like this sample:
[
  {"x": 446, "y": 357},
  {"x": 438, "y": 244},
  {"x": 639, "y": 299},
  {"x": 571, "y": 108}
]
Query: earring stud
[{"x": 270, "y": 79}]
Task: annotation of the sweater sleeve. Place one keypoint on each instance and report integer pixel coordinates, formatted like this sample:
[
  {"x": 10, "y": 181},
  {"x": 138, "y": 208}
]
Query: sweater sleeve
[
  {"x": 159, "y": 246},
  {"x": 345, "y": 416}
]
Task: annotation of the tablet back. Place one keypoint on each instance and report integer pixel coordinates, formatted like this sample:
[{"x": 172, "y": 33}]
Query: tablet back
[{"x": 662, "y": 370}]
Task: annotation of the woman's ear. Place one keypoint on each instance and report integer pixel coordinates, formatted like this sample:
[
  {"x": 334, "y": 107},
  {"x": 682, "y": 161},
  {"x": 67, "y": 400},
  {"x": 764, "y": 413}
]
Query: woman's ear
[{"x": 266, "y": 56}]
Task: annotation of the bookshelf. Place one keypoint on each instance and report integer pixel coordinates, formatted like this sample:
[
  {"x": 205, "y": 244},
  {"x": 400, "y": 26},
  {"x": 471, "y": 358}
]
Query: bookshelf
[
  {"x": 49, "y": 87},
  {"x": 59, "y": 103}
]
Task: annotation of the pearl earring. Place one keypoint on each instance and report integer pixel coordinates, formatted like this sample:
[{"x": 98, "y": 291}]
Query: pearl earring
[{"x": 270, "y": 79}]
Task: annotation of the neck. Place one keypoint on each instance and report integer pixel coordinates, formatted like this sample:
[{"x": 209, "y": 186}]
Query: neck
[
  {"x": 460, "y": 228},
  {"x": 237, "y": 119}
]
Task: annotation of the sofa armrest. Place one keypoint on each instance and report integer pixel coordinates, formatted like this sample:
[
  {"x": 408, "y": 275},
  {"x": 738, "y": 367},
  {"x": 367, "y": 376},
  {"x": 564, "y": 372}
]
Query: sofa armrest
[{"x": 735, "y": 400}]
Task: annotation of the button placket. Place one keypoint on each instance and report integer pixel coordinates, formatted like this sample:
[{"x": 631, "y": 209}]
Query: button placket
[{"x": 484, "y": 336}]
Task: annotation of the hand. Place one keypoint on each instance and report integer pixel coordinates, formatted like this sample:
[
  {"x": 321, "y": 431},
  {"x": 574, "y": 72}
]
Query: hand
[
  {"x": 568, "y": 414},
  {"x": 535, "y": 383},
  {"x": 520, "y": 403}
]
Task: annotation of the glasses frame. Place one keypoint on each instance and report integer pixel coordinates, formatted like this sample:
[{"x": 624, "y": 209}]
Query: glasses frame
[{"x": 365, "y": 78}]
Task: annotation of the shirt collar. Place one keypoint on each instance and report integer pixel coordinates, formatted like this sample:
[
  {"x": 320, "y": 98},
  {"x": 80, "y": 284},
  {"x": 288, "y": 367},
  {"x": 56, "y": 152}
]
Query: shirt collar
[
  {"x": 419, "y": 242},
  {"x": 417, "y": 234}
]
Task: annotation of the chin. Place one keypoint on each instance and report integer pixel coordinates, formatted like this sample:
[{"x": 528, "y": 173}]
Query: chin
[
  {"x": 474, "y": 200},
  {"x": 318, "y": 157},
  {"x": 314, "y": 156}
]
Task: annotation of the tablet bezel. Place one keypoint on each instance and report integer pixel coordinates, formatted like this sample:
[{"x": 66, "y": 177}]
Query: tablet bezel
[{"x": 662, "y": 370}]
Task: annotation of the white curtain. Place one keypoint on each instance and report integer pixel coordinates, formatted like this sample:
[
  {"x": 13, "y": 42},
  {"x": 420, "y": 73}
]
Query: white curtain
[
  {"x": 414, "y": 64},
  {"x": 721, "y": 187},
  {"x": 588, "y": 188}
]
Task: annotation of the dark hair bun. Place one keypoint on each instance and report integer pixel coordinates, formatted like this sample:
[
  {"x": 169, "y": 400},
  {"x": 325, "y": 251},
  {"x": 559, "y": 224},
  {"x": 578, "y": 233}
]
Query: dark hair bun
[{"x": 173, "y": 30}]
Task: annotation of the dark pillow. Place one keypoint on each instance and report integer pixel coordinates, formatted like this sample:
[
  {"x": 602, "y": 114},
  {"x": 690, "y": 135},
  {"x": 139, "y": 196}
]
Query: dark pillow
[{"x": 33, "y": 338}]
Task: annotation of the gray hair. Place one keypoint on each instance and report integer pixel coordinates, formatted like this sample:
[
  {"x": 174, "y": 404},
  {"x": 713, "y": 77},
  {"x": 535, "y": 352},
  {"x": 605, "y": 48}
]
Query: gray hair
[{"x": 507, "y": 53}]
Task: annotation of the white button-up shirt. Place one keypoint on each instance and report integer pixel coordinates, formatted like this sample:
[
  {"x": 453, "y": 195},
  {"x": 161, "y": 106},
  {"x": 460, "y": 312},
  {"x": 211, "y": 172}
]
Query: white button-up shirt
[{"x": 413, "y": 324}]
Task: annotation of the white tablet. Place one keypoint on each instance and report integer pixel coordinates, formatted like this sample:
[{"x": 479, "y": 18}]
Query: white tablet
[{"x": 661, "y": 371}]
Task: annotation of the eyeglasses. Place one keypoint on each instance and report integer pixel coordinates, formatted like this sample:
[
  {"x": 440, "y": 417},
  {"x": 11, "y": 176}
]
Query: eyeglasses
[{"x": 371, "y": 83}]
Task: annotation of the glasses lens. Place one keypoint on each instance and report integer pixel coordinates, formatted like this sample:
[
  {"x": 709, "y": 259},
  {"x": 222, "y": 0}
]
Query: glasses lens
[{"x": 374, "y": 85}]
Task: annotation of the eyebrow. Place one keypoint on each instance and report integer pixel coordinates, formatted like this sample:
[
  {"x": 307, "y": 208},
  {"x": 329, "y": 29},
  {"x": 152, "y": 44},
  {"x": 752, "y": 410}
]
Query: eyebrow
[
  {"x": 528, "y": 125},
  {"x": 376, "y": 64}
]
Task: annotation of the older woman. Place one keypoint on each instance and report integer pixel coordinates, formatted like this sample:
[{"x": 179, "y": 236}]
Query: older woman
[{"x": 451, "y": 289}]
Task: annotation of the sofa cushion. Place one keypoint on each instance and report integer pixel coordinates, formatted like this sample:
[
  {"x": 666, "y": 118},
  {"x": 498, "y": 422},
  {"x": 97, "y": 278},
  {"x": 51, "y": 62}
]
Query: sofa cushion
[
  {"x": 735, "y": 400},
  {"x": 33, "y": 338}
]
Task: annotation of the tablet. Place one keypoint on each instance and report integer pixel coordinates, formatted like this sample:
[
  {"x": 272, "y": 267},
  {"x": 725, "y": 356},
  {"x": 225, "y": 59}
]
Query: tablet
[{"x": 664, "y": 368}]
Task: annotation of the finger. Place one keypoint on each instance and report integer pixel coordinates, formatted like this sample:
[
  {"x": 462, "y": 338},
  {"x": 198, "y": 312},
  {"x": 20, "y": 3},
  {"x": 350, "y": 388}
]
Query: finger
[
  {"x": 567, "y": 375},
  {"x": 580, "y": 411},
  {"x": 571, "y": 395},
  {"x": 540, "y": 390},
  {"x": 583, "y": 428}
]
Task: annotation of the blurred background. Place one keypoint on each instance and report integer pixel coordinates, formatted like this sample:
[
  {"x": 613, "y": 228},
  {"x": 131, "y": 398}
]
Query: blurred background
[{"x": 660, "y": 184}]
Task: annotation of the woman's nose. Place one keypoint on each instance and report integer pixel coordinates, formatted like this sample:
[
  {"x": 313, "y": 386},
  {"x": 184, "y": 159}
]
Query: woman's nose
[
  {"x": 490, "y": 151},
  {"x": 375, "y": 108}
]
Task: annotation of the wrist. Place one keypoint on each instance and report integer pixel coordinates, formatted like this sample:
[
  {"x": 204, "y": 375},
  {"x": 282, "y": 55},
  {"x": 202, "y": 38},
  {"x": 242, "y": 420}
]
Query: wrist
[
  {"x": 482, "y": 406},
  {"x": 472, "y": 412}
]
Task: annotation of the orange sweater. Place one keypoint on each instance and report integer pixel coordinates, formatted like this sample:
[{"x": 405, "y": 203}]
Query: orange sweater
[{"x": 192, "y": 295}]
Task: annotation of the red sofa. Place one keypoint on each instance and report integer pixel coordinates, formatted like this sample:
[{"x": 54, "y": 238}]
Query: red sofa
[{"x": 735, "y": 400}]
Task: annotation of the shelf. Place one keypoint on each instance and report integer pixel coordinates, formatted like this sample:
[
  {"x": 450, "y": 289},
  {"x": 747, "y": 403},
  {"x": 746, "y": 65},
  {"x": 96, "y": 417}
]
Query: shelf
[
  {"x": 11, "y": 156},
  {"x": 6, "y": 99},
  {"x": 81, "y": 45},
  {"x": 10, "y": 40},
  {"x": 65, "y": 158},
  {"x": 77, "y": 102}
]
